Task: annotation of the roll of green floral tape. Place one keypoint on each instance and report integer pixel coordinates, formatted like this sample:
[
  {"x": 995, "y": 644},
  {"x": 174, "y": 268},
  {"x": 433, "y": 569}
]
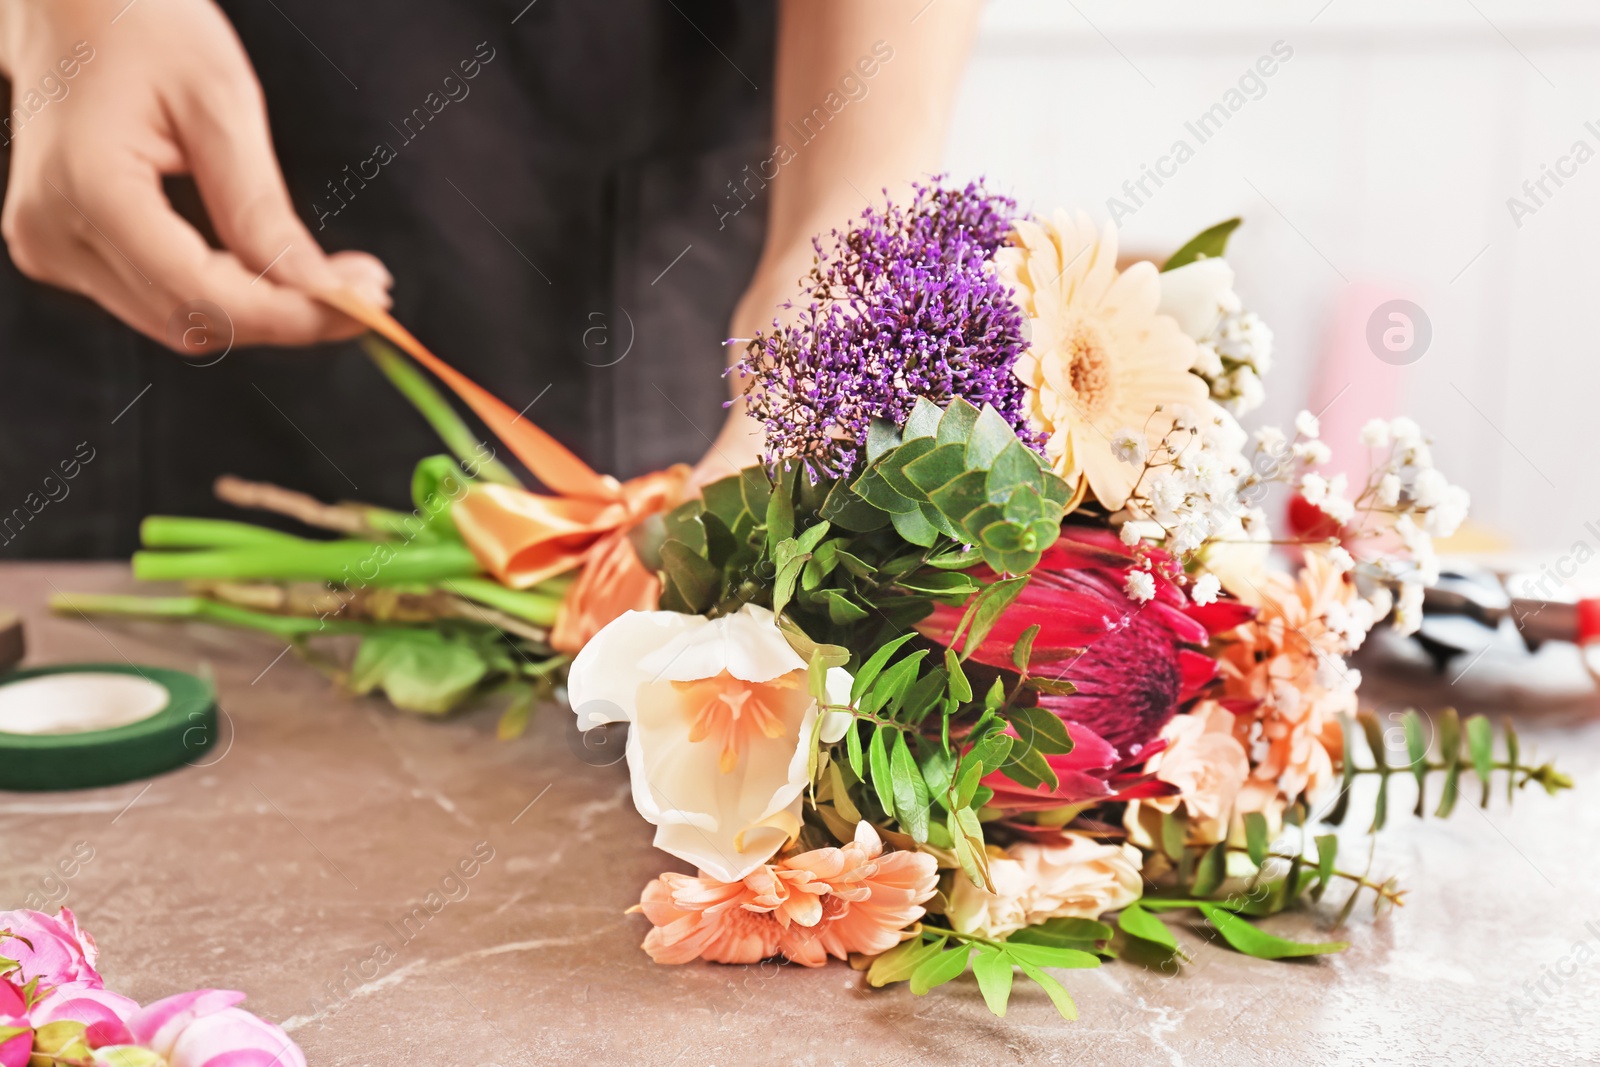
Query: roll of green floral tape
[{"x": 84, "y": 725}]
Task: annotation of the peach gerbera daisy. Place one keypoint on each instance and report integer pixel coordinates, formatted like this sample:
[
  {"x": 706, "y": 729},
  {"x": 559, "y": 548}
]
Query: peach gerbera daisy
[
  {"x": 1101, "y": 359},
  {"x": 826, "y": 902}
]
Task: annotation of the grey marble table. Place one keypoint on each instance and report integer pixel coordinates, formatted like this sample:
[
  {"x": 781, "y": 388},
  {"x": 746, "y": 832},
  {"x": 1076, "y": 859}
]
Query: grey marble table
[{"x": 297, "y": 865}]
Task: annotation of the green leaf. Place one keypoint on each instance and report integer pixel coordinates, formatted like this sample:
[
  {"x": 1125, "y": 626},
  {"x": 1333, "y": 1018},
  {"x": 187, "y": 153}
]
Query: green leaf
[
  {"x": 1050, "y": 956},
  {"x": 852, "y": 748},
  {"x": 1513, "y": 751},
  {"x": 990, "y": 435},
  {"x": 967, "y": 834},
  {"x": 1029, "y": 769},
  {"x": 419, "y": 670},
  {"x": 1327, "y": 855},
  {"x": 841, "y": 609},
  {"x": 960, "y": 496},
  {"x": 685, "y": 523},
  {"x": 1041, "y": 729},
  {"x": 869, "y": 670},
  {"x": 1341, "y": 804},
  {"x": 960, "y": 688},
  {"x": 935, "y": 468},
  {"x": 1065, "y": 928},
  {"x": 1136, "y": 922},
  {"x": 1417, "y": 753},
  {"x": 1450, "y": 753},
  {"x": 915, "y": 527},
  {"x": 1255, "y": 942},
  {"x": 878, "y": 762},
  {"x": 993, "y": 970},
  {"x": 1374, "y": 735},
  {"x": 1021, "y": 655},
  {"x": 910, "y": 791},
  {"x": 938, "y": 970},
  {"x": 893, "y": 683},
  {"x": 1174, "y": 833},
  {"x": 845, "y": 509},
  {"x": 1480, "y": 743},
  {"x": 957, "y": 422},
  {"x": 514, "y": 719},
  {"x": 991, "y": 752},
  {"x": 695, "y": 579},
  {"x": 784, "y": 582},
  {"x": 900, "y": 962},
  {"x": 1212, "y": 870},
  {"x": 1210, "y": 243},
  {"x": 1016, "y": 467},
  {"x": 986, "y": 609},
  {"x": 923, "y": 420},
  {"x": 1053, "y": 989},
  {"x": 882, "y": 435},
  {"x": 1255, "y": 836}
]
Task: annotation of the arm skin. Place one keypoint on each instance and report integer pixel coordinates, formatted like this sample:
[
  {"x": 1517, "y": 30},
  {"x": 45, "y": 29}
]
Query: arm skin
[
  {"x": 889, "y": 138},
  {"x": 110, "y": 107}
]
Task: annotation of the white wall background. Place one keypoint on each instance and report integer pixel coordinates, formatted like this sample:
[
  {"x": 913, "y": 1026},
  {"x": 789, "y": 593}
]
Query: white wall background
[{"x": 1382, "y": 153}]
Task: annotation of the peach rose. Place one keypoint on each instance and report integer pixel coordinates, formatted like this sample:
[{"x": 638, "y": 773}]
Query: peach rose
[
  {"x": 1207, "y": 764},
  {"x": 1082, "y": 878}
]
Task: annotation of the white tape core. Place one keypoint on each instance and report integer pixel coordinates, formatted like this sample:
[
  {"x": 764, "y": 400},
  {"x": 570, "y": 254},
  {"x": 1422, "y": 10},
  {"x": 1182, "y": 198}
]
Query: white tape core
[{"x": 78, "y": 703}]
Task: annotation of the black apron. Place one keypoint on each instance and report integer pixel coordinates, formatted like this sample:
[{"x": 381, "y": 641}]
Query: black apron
[{"x": 558, "y": 225}]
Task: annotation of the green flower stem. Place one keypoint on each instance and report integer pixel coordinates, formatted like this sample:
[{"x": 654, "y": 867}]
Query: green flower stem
[
  {"x": 455, "y": 433},
  {"x": 937, "y": 930},
  {"x": 359, "y": 562},
  {"x": 1545, "y": 775},
  {"x": 1361, "y": 880},
  {"x": 170, "y": 531},
  {"x": 537, "y": 605},
  {"x": 288, "y": 627}
]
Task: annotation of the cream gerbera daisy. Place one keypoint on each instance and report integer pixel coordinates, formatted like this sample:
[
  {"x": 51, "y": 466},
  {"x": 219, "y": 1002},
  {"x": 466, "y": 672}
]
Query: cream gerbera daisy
[{"x": 1100, "y": 357}]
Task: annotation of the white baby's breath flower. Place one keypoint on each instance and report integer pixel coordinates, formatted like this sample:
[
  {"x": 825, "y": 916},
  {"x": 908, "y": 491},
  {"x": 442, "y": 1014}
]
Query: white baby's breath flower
[
  {"x": 1306, "y": 425},
  {"x": 1447, "y": 517},
  {"x": 1405, "y": 431},
  {"x": 1207, "y": 363},
  {"x": 1129, "y": 445},
  {"x": 1313, "y": 452},
  {"x": 1375, "y": 434},
  {"x": 1270, "y": 439},
  {"x": 1314, "y": 487},
  {"x": 1389, "y": 490},
  {"x": 1341, "y": 559},
  {"x": 1129, "y": 534},
  {"x": 1140, "y": 586},
  {"x": 1247, "y": 391},
  {"x": 1429, "y": 487},
  {"x": 1205, "y": 589},
  {"x": 1408, "y": 609}
]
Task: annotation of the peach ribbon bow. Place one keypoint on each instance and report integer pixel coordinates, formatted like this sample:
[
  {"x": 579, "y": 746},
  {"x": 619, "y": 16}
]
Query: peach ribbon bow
[{"x": 522, "y": 537}]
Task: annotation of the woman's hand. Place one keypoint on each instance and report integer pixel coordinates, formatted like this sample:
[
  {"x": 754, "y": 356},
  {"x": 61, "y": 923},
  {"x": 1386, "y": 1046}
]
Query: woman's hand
[{"x": 109, "y": 97}]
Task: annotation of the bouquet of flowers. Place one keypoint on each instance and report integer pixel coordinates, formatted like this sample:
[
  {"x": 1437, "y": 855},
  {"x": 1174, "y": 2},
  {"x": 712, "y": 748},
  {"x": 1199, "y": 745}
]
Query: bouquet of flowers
[
  {"x": 56, "y": 1010},
  {"x": 984, "y": 667},
  {"x": 988, "y": 651}
]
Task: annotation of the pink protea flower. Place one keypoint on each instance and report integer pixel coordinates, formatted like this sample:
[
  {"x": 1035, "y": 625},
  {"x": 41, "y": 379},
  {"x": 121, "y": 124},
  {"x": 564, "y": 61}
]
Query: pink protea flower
[
  {"x": 1131, "y": 661},
  {"x": 829, "y": 901}
]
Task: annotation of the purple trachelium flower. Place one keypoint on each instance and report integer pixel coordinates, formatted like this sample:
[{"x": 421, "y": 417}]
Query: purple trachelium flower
[{"x": 906, "y": 303}]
